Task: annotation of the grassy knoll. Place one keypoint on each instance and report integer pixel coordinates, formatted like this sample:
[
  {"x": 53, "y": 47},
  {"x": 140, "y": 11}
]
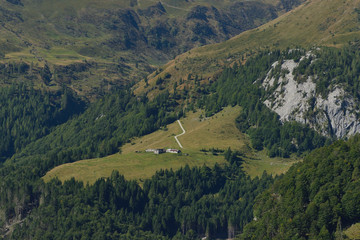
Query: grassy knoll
[
  {"x": 218, "y": 131},
  {"x": 131, "y": 165}
]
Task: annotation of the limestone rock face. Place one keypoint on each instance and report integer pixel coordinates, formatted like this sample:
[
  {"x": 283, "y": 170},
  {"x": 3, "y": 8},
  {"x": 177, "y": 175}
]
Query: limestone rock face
[{"x": 334, "y": 115}]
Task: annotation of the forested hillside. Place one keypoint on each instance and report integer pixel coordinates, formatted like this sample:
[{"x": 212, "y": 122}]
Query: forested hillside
[
  {"x": 102, "y": 128},
  {"x": 316, "y": 199},
  {"x": 27, "y": 115},
  {"x": 186, "y": 204},
  {"x": 241, "y": 85},
  {"x": 99, "y": 131},
  {"x": 55, "y": 54},
  {"x": 111, "y": 121},
  {"x": 108, "y": 123}
]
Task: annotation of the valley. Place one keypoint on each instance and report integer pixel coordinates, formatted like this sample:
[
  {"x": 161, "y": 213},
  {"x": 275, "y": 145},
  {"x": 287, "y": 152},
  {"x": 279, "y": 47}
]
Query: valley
[{"x": 179, "y": 119}]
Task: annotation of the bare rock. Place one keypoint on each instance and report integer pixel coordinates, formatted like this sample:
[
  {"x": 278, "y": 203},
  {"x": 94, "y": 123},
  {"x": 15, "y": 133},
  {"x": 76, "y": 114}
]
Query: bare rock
[{"x": 334, "y": 115}]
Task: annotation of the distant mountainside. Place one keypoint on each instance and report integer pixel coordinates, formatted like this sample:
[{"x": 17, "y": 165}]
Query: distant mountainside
[
  {"x": 314, "y": 23},
  {"x": 295, "y": 94},
  {"x": 93, "y": 45}
]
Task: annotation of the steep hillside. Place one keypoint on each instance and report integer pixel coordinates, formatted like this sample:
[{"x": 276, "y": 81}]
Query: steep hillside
[
  {"x": 92, "y": 45},
  {"x": 316, "y": 199},
  {"x": 27, "y": 115},
  {"x": 319, "y": 88},
  {"x": 314, "y": 23}
]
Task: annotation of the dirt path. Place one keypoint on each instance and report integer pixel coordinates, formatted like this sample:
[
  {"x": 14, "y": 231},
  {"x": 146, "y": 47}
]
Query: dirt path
[{"x": 176, "y": 137}]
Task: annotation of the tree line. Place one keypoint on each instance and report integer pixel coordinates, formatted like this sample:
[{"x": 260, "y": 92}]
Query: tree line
[{"x": 185, "y": 204}]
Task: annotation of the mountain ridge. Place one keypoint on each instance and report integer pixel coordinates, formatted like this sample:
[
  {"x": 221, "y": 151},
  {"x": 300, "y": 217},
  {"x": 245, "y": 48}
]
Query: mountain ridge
[
  {"x": 127, "y": 39},
  {"x": 305, "y": 26}
]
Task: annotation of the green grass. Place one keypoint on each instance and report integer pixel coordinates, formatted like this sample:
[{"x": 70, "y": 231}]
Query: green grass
[
  {"x": 353, "y": 232},
  {"x": 258, "y": 162},
  {"x": 23, "y": 55},
  {"x": 218, "y": 131},
  {"x": 62, "y": 56},
  {"x": 131, "y": 165}
]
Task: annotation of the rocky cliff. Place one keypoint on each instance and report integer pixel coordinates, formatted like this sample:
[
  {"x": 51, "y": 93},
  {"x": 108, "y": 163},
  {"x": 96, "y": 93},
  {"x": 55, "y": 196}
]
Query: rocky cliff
[{"x": 332, "y": 115}]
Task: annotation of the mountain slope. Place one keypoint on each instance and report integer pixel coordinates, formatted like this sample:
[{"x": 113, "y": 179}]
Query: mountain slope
[
  {"x": 213, "y": 202},
  {"x": 316, "y": 199},
  {"x": 119, "y": 41},
  {"x": 316, "y": 22},
  {"x": 319, "y": 89}
]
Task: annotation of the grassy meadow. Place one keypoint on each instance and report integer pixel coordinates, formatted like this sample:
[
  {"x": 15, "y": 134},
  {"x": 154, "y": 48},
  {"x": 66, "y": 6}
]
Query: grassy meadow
[
  {"x": 132, "y": 165},
  {"x": 218, "y": 131}
]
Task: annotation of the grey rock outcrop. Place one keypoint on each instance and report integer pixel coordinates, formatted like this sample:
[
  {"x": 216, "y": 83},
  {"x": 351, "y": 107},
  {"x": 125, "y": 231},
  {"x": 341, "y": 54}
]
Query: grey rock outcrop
[{"x": 334, "y": 115}]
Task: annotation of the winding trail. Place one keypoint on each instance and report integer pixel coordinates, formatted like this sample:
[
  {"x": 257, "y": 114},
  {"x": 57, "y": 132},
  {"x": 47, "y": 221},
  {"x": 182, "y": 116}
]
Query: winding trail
[{"x": 176, "y": 137}]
